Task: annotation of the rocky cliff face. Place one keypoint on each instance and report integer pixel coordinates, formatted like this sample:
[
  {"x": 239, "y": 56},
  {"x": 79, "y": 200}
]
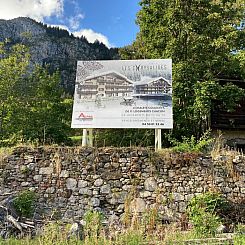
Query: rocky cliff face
[{"x": 53, "y": 47}]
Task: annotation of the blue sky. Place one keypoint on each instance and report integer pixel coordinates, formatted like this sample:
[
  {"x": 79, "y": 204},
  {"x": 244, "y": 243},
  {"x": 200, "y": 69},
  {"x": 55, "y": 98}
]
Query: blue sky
[{"x": 110, "y": 21}]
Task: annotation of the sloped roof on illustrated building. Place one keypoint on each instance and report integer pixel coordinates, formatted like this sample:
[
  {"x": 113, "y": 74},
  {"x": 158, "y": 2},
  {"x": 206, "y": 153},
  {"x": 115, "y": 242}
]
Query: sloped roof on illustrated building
[
  {"x": 148, "y": 80},
  {"x": 114, "y": 73}
]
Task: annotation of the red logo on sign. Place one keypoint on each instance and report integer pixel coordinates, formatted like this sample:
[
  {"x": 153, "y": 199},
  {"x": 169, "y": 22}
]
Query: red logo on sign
[{"x": 85, "y": 117}]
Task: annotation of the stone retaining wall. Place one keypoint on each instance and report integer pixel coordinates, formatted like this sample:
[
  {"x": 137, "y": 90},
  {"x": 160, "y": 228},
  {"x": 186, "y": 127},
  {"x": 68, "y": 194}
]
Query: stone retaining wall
[{"x": 69, "y": 181}]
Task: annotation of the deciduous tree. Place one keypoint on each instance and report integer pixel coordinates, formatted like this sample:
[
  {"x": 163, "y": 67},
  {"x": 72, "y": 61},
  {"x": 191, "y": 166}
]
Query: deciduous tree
[
  {"x": 13, "y": 67},
  {"x": 201, "y": 38}
]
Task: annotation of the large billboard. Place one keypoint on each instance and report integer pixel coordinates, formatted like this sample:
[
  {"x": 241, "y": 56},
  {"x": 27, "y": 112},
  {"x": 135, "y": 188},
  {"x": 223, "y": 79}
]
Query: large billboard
[{"x": 123, "y": 94}]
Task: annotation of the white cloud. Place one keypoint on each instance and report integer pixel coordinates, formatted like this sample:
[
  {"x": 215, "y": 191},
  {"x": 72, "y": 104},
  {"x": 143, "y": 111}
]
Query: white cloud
[
  {"x": 88, "y": 33},
  {"x": 64, "y": 27},
  {"x": 92, "y": 36},
  {"x": 74, "y": 21},
  {"x": 36, "y": 9}
]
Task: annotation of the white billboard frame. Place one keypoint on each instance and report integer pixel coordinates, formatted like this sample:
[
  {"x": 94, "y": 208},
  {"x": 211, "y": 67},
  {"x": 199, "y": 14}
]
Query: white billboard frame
[{"x": 123, "y": 94}]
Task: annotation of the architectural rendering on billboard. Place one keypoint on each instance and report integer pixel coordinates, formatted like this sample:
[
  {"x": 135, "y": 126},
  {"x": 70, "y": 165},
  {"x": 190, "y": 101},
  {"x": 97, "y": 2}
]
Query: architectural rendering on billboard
[{"x": 123, "y": 94}]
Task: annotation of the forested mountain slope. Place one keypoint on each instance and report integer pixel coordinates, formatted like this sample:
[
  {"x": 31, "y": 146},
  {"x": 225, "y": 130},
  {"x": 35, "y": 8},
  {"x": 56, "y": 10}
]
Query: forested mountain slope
[{"x": 53, "y": 47}]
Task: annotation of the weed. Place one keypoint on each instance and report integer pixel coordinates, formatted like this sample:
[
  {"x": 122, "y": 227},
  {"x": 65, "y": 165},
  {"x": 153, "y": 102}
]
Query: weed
[
  {"x": 131, "y": 237},
  {"x": 24, "y": 203},
  {"x": 4, "y": 153},
  {"x": 225, "y": 156},
  {"x": 203, "y": 212},
  {"x": 93, "y": 224},
  {"x": 192, "y": 145}
]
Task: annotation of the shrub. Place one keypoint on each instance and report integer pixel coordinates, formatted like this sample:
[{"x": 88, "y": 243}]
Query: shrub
[
  {"x": 203, "y": 212},
  {"x": 24, "y": 203},
  {"x": 192, "y": 144}
]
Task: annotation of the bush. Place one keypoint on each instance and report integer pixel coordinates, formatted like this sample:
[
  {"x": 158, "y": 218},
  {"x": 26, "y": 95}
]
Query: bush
[
  {"x": 192, "y": 144},
  {"x": 203, "y": 212},
  {"x": 24, "y": 203}
]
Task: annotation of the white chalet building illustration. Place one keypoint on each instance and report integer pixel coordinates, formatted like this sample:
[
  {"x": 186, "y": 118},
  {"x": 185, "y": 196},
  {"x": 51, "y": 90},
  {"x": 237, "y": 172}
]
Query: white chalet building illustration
[
  {"x": 107, "y": 84},
  {"x": 152, "y": 86}
]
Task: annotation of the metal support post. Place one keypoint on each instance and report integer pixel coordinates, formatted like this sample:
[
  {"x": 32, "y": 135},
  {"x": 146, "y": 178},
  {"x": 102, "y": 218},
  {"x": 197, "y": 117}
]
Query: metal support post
[
  {"x": 158, "y": 139},
  {"x": 84, "y": 138},
  {"x": 87, "y": 139},
  {"x": 90, "y": 137}
]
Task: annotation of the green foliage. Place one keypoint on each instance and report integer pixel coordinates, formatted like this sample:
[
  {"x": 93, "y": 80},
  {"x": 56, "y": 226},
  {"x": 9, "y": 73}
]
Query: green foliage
[
  {"x": 13, "y": 66},
  {"x": 33, "y": 106},
  {"x": 24, "y": 203},
  {"x": 93, "y": 224},
  {"x": 199, "y": 36},
  {"x": 133, "y": 237},
  {"x": 192, "y": 144},
  {"x": 124, "y": 137},
  {"x": 203, "y": 212},
  {"x": 239, "y": 238},
  {"x": 47, "y": 112}
]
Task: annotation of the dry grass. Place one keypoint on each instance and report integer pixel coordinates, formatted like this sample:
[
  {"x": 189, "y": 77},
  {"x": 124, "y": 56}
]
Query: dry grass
[{"x": 226, "y": 156}]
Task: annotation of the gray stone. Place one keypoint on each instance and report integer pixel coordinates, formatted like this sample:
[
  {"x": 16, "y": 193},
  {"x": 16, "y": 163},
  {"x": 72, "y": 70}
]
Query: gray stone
[
  {"x": 178, "y": 197},
  {"x": 98, "y": 182},
  {"x": 145, "y": 194},
  {"x": 85, "y": 191},
  {"x": 25, "y": 184},
  {"x": 150, "y": 184},
  {"x": 82, "y": 183},
  {"x": 95, "y": 192},
  {"x": 171, "y": 173},
  {"x": 167, "y": 184},
  {"x": 33, "y": 188},
  {"x": 95, "y": 176},
  {"x": 117, "y": 183},
  {"x": 138, "y": 205},
  {"x": 118, "y": 198},
  {"x": 180, "y": 189},
  {"x": 182, "y": 207},
  {"x": 238, "y": 159},
  {"x": 189, "y": 197},
  {"x": 95, "y": 202},
  {"x": 120, "y": 208},
  {"x": 105, "y": 189},
  {"x": 219, "y": 180},
  {"x": 50, "y": 190},
  {"x": 199, "y": 189},
  {"x": 71, "y": 183},
  {"x": 47, "y": 170},
  {"x": 115, "y": 164},
  {"x": 64, "y": 174},
  {"x": 31, "y": 166},
  {"x": 227, "y": 189},
  {"x": 107, "y": 165},
  {"x": 127, "y": 187},
  {"x": 123, "y": 160},
  {"x": 38, "y": 178},
  {"x": 72, "y": 199},
  {"x": 113, "y": 219}
]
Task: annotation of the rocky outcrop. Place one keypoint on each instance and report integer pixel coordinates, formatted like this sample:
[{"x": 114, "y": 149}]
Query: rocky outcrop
[{"x": 53, "y": 47}]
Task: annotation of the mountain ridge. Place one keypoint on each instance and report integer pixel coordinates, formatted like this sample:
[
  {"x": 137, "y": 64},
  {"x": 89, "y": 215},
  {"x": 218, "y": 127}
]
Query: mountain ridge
[{"x": 54, "y": 47}]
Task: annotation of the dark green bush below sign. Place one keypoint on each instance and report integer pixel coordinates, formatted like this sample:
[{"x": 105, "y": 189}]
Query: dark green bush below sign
[{"x": 24, "y": 203}]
